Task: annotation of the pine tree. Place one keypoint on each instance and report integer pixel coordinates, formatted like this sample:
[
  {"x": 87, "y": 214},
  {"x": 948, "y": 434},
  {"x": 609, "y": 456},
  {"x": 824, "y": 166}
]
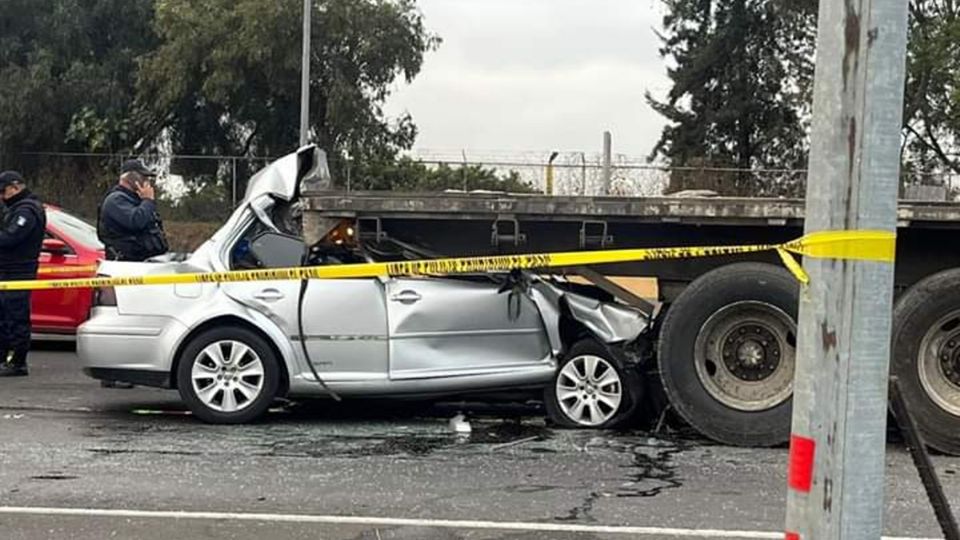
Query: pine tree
[{"x": 741, "y": 73}]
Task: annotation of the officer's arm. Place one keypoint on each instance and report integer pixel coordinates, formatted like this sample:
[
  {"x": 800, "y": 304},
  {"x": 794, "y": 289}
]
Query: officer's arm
[
  {"x": 19, "y": 227},
  {"x": 133, "y": 217}
]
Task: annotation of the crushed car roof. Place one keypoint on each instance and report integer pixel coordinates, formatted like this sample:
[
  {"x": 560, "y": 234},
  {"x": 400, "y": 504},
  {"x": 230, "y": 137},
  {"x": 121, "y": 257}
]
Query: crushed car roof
[{"x": 283, "y": 177}]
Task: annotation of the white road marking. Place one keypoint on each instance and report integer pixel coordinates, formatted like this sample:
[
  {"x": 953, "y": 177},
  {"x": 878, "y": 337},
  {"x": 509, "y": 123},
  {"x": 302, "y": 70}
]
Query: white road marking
[{"x": 402, "y": 522}]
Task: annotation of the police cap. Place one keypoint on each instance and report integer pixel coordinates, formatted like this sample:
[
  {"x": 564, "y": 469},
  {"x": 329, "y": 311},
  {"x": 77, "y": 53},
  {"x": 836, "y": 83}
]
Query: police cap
[
  {"x": 137, "y": 166},
  {"x": 10, "y": 177}
]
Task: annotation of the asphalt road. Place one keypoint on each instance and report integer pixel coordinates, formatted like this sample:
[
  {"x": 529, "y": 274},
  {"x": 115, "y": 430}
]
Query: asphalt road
[{"x": 79, "y": 461}]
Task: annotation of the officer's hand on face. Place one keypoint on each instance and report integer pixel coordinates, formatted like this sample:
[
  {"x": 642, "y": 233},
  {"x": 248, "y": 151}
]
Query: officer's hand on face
[{"x": 145, "y": 190}]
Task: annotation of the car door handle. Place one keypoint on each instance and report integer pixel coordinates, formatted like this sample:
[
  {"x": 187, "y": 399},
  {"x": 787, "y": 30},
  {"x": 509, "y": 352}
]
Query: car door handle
[
  {"x": 406, "y": 297},
  {"x": 269, "y": 295}
]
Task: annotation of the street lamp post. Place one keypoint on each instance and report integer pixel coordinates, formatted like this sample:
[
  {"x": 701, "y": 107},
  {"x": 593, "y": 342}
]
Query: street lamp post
[{"x": 305, "y": 77}]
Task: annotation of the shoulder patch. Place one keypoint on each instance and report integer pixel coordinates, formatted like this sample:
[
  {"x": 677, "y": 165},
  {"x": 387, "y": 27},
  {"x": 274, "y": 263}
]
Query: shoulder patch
[{"x": 21, "y": 221}]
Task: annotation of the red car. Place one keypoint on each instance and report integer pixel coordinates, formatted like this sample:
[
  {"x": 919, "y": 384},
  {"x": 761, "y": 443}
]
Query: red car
[{"x": 70, "y": 250}]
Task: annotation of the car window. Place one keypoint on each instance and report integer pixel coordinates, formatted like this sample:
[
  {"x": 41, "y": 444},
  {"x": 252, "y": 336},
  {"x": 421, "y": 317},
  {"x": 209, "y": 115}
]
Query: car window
[
  {"x": 241, "y": 258},
  {"x": 74, "y": 228},
  {"x": 277, "y": 250},
  {"x": 287, "y": 218}
]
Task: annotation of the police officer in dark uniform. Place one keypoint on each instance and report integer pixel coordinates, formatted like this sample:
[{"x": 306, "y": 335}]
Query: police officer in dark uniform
[
  {"x": 21, "y": 238},
  {"x": 128, "y": 223}
]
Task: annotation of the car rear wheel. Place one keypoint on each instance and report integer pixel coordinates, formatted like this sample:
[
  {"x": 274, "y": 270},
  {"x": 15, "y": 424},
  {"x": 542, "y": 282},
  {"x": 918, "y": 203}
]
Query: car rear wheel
[
  {"x": 228, "y": 375},
  {"x": 592, "y": 389}
]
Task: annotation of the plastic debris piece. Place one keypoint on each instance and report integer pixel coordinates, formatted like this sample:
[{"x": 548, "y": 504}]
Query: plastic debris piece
[{"x": 459, "y": 424}]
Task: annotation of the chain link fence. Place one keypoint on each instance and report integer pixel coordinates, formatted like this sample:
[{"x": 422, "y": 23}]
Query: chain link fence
[
  {"x": 585, "y": 174},
  {"x": 192, "y": 188}
]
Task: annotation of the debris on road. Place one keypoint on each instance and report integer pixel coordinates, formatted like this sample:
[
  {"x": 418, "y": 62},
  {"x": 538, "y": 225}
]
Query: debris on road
[
  {"x": 517, "y": 442},
  {"x": 460, "y": 425}
]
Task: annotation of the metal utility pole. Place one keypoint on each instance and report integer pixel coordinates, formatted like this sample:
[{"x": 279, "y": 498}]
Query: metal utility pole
[
  {"x": 305, "y": 76},
  {"x": 607, "y": 162},
  {"x": 840, "y": 393}
]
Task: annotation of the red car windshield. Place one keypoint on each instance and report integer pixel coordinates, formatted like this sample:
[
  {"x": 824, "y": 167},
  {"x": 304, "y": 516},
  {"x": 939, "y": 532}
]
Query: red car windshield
[{"x": 75, "y": 228}]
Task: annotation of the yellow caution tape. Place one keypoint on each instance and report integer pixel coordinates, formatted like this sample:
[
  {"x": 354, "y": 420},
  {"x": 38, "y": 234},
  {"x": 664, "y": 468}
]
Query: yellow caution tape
[
  {"x": 846, "y": 245},
  {"x": 793, "y": 266},
  {"x": 850, "y": 245}
]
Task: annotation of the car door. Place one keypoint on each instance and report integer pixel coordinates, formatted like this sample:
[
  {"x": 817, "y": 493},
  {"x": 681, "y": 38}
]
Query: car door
[
  {"x": 56, "y": 310},
  {"x": 344, "y": 322},
  {"x": 458, "y": 327},
  {"x": 70, "y": 250}
]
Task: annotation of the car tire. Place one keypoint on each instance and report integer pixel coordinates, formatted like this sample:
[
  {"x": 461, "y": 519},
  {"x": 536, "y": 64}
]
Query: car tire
[
  {"x": 228, "y": 375},
  {"x": 926, "y": 357},
  {"x": 727, "y": 354},
  {"x": 593, "y": 388}
]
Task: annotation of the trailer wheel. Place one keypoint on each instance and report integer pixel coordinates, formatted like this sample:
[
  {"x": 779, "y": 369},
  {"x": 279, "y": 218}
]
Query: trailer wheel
[
  {"x": 728, "y": 354},
  {"x": 926, "y": 357}
]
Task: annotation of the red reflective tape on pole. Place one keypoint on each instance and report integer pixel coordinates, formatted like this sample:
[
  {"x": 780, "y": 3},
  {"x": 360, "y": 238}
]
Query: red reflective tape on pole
[
  {"x": 791, "y": 536},
  {"x": 800, "y": 468}
]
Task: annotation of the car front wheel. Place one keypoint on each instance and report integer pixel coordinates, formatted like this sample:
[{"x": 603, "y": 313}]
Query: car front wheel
[
  {"x": 228, "y": 375},
  {"x": 592, "y": 389}
]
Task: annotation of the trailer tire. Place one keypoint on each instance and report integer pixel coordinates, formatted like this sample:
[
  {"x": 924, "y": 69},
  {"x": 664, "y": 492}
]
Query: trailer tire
[
  {"x": 727, "y": 354},
  {"x": 926, "y": 357}
]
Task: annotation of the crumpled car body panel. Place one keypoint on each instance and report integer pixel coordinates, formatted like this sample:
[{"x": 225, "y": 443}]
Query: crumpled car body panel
[
  {"x": 610, "y": 323},
  {"x": 282, "y": 178}
]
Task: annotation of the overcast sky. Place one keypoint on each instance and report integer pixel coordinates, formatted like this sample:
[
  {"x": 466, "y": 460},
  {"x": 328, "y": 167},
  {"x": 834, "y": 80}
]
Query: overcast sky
[{"x": 520, "y": 75}]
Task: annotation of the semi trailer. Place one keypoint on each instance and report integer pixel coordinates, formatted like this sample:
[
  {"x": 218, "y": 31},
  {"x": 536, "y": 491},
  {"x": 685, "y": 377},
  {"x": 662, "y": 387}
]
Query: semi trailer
[{"x": 725, "y": 349}]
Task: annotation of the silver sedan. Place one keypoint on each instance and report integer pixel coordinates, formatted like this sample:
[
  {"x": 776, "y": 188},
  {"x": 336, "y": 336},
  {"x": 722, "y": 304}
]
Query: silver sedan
[{"x": 232, "y": 349}]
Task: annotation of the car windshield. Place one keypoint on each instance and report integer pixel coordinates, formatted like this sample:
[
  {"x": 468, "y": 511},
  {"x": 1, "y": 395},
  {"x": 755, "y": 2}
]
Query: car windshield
[{"x": 75, "y": 228}]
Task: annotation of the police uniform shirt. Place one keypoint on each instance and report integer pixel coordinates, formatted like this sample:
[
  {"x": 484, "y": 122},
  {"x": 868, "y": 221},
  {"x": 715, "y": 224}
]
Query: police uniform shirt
[{"x": 21, "y": 234}]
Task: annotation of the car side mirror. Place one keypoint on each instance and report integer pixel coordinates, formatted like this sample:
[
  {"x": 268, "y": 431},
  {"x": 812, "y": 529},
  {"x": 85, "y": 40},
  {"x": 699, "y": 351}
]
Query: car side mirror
[
  {"x": 278, "y": 250},
  {"x": 55, "y": 246}
]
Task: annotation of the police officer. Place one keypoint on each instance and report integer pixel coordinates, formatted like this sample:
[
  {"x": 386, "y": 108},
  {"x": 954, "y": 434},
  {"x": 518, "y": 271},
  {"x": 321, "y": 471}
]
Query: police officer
[
  {"x": 21, "y": 237},
  {"x": 127, "y": 221}
]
